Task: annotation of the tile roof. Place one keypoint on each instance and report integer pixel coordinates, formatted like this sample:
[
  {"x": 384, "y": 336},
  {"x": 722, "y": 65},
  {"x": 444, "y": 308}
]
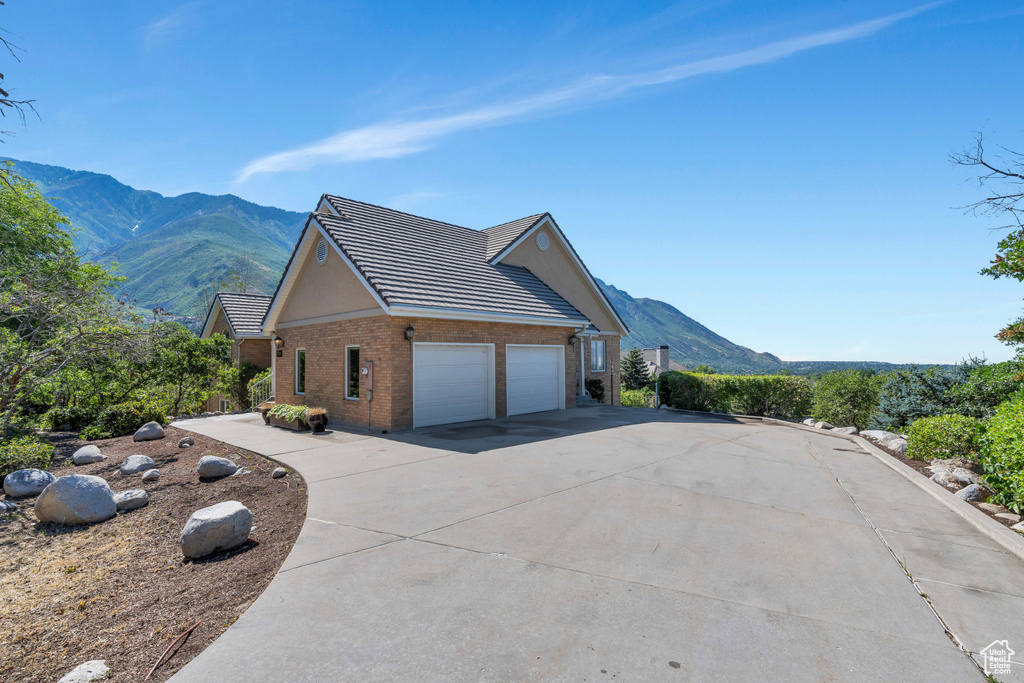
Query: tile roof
[
  {"x": 500, "y": 236},
  {"x": 414, "y": 261},
  {"x": 245, "y": 312}
]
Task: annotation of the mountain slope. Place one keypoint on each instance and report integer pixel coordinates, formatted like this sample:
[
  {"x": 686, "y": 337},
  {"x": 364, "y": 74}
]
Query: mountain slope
[{"x": 168, "y": 248}]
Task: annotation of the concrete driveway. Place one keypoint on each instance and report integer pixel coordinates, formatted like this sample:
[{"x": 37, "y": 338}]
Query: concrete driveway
[{"x": 614, "y": 544}]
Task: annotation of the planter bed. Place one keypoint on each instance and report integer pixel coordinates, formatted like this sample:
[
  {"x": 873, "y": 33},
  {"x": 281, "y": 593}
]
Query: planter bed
[{"x": 297, "y": 425}]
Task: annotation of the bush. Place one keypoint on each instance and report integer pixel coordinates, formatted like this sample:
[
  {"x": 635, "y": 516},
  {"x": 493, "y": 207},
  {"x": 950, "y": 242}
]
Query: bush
[
  {"x": 777, "y": 395},
  {"x": 846, "y": 397},
  {"x": 76, "y": 416},
  {"x": 634, "y": 370},
  {"x": 595, "y": 388},
  {"x": 944, "y": 436},
  {"x": 986, "y": 388},
  {"x": 283, "y": 411},
  {"x": 122, "y": 419},
  {"x": 24, "y": 452},
  {"x": 637, "y": 398},
  {"x": 1002, "y": 454}
]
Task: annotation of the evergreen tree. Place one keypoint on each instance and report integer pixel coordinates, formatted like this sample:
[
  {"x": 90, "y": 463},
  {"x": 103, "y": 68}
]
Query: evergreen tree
[{"x": 634, "y": 370}]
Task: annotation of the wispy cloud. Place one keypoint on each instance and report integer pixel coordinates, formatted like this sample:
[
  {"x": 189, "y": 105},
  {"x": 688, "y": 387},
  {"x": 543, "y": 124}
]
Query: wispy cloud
[
  {"x": 391, "y": 139},
  {"x": 162, "y": 30}
]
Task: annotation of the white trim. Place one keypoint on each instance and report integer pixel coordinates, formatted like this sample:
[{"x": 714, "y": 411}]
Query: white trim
[
  {"x": 210, "y": 318},
  {"x": 347, "y": 347},
  {"x": 491, "y": 381},
  {"x": 365, "y": 313},
  {"x": 296, "y": 372},
  {"x": 326, "y": 202},
  {"x": 604, "y": 355},
  {"x": 555, "y": 230},
  {"x": 483, "y": 316},
  {"x": 561, "y": 372}
]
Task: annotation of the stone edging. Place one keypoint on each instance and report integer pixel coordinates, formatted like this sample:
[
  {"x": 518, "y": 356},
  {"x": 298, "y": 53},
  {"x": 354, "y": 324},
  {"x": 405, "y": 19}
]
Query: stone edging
[{"x": 1012, "y": 541}]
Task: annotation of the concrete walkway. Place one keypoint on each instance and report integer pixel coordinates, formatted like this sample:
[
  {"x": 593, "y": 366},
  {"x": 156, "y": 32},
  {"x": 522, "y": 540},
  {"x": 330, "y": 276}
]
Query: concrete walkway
[{"x": 614, "y": 544}]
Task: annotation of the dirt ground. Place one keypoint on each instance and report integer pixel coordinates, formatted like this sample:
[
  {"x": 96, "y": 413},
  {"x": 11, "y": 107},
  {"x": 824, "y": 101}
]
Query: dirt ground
[{"x": 120, "y": 590}]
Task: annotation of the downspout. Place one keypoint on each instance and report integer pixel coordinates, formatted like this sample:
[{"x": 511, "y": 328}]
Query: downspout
[{"x": 582, "y": 385}]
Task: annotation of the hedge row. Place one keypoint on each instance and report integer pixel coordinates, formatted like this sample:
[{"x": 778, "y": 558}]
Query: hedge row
[{"x": 786, "y": 396}]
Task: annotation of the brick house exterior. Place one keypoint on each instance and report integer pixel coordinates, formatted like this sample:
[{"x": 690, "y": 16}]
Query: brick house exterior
[
  {"x": 363, "y": 279},
  {"x": 239, "y": 317}
]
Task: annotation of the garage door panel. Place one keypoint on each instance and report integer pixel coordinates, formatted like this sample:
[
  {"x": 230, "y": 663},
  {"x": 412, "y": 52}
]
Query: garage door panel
[
  {"x": 451, "y": 384},
  {"x": 534, "y": 378}
]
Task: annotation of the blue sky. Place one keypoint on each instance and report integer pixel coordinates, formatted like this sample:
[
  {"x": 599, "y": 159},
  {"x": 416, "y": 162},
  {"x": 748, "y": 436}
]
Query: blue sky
[{"x": 780, "y": 175}]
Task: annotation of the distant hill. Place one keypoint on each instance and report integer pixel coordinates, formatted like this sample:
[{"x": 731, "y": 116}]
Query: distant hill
[
  {"x": 168, "y": 248},
  {"x": 171, "y": 248}
]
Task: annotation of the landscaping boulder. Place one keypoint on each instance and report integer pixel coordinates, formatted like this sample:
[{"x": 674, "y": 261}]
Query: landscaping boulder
[
  {"x": 151, "y": 431},
  {"x": 898, "y": 445},
  {"x": 134, "y": 464},
  {"x": 7, "y": 506},
  {"x": 849, "y": 431},
  {"x": 945, "y": 479},
  {"x": 1011, "y": 517},
  {"x": 217, "y": 528},
  {"x": 150, "y": 475},
  {"x": 76, "y": 499},
  {"x": 965, "y": 476},
  {"x": 879, "y": 435},
  {"x": 27, "y": 482},
  {"x": 206, "y": 414},
  {"x": 187, "y": 442},
  {"x": 213, "y": 466},
  {"x": 278, "y": 473},
  {"x": 822, "y": 425},
  {"x": 810, "y": 422},
  {"x": 972, "y": 493},
  {"x": 86, "y": 455},
  {"x": 991, "y": 508},
  {"x": 131, "y": 499},
  {"x": 94, "y": 670}
]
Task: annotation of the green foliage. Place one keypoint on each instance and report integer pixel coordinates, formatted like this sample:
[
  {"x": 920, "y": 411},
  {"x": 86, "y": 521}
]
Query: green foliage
[
  {"x": 944, "y": 436},
  {"x": 634, "y": 370},
  {"x": 916, "y": 392},
  {"x": 283, "y": 411},
  {"x": 985, "y": 389},
  {"x": 595, "y": 388},
  {"x": 76, "y": 417},
  {"x": 247, "y": 373},
  {"x": 846, "y": 397},
  {"x": 1002, "y": 454},
  {"x": 703, "y": 369},
  {"x": 189, "y": 370},
  {"x": 637, "y": 398},
  {"x": 774, "y": 395},
  {"x": 123, "y": 419},
  {"x": 24, "y": 452}
]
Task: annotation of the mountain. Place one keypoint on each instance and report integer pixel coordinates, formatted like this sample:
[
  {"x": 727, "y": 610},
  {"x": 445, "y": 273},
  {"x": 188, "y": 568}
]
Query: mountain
[{"x": 168, "y": 248}]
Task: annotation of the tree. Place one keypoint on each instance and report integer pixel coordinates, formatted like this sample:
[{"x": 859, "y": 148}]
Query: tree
[
  {"x": 1002, "y": 177},
  {"x": 190, "y": 369},
  {"x": 634, "y": 370},
  {"x": 9, "y": 103},
  {"x": 846, "y": 397},
  {"x": 703, "y": 369}
]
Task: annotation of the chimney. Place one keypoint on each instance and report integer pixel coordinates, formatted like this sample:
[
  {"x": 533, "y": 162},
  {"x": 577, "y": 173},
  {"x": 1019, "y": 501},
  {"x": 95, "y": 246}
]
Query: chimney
[{"x": 661, "y": 357}]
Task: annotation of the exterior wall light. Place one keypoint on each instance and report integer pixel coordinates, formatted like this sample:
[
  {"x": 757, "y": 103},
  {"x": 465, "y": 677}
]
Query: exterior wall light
[
  {"x": 278, "y": 342},
  {"x": 572, "y": 340},
  {"x": 410, "y": 332}
]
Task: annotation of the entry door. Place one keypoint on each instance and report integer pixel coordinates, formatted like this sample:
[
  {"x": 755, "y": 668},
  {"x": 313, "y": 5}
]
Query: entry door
[
  {"x": 534, "y": 378},
  {"x": 452, "y": 383}
]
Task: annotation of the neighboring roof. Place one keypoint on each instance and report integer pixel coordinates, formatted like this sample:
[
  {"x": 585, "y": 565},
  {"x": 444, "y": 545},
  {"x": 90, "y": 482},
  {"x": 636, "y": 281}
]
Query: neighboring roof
[
  {"x": 500, "y": 236},
  {"x": 413, "y": 261},
  {"x": 245, "y": 312}
]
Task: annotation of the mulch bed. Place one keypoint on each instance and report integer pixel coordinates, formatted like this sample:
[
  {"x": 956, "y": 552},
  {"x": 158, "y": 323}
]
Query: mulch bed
[
  {"x": 921, "y": 466},
  {"x": 120, "y": 590}
]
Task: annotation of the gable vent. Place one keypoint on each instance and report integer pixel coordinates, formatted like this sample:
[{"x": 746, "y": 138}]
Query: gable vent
[{"x": 321, "y": 252}]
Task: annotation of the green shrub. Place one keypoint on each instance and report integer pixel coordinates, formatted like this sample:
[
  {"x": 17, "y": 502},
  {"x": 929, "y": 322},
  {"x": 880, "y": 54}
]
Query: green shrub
[
  {"x": 776, "y": 395},
  {"x": 75, "y": 416},
  {"x": 122, "y": 419},
  {"x": 24, "y": 452},
  {"x": 846, "y": 397},
  {"x": 944, "y": 436},
  {"x": 986, "y": 388},
  {"x": 1002, "y": 454},
  {"x": 283, "y": 411},
  {"x": 637, "y": 398},
  {"x": 595, "y": 388}
]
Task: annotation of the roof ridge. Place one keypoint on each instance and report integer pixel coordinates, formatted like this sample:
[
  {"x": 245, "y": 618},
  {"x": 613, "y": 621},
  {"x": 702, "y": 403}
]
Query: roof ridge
[
  {"x": 515, "y": 220},
  {"x": 387, "y": 208}
]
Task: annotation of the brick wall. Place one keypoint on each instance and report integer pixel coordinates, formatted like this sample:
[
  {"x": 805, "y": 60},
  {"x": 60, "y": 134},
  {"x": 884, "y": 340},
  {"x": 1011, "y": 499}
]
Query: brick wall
[
  {"x": 255, "y": 351},
  {"x": 382, "y": 340}
]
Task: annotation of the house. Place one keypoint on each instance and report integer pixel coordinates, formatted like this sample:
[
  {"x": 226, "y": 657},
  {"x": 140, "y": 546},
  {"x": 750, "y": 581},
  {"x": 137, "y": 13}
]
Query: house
[
  {"x": 394, "y": 321},
  {"x": 658, "y": 361},
  {"x": 239, "y": 317}
]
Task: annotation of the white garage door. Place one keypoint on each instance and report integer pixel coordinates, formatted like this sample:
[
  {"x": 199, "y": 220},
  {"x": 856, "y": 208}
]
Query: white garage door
[
  {"x": 535, "y": 378},
  {"x": 452, "y": 383}
]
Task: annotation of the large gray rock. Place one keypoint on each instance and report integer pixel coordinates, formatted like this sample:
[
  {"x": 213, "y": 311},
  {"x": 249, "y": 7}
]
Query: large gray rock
[
  {"x": 86, "y": 455},
  {"x": 76, "y": 499},
  {"x": 965, "y": 476},
  {"x": 213, "y": 466},
  {"x": 898, "y": 445},
  {"x": 1011, "y": 517},
  {"x": 278, "y": 472},
  {"x": 94, "y": 670},
  {"x": 131, "y": 499},
  {"x": 150, "y": 431},
  {"x": 822, "y": 425},
  {"x": 217, "y": 528},
  {"x": 810, "y": 422},
  {"x": 879, "y": 435},
  {"x": 186, "y": 442},
  {"x": 849, "y": 431},
  {"x": 945, "y": 479},
  {"x": 27, "y": 482},
  {"x": 150, "y": 475},
  {"x": 972, "y": 493},
  {"x": 137, "y": 463}
]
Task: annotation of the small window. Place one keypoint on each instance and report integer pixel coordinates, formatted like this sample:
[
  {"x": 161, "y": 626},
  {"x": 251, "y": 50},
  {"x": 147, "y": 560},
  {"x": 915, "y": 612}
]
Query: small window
[
  {"x": 597, "y": 356},
  {"x": 321, "y": 252},
  {"x": 352, "y": 372},
  {"x": 300, "y": 371},
  {"x": 542, "y": 240}
]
